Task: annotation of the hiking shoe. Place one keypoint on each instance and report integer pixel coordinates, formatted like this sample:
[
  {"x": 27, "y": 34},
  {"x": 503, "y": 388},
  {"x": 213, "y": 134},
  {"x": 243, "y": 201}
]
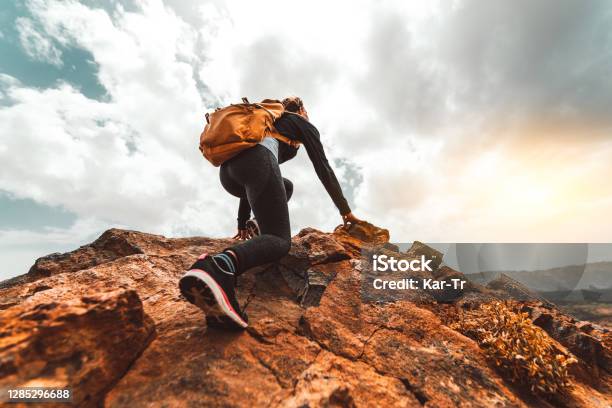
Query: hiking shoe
[
  {"x": 253, "y": 227},
  {"x": 211, "y": 289}
]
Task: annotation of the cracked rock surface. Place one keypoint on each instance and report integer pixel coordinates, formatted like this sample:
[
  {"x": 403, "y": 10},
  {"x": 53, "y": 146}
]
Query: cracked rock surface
[{"x": 108, "y": 320}]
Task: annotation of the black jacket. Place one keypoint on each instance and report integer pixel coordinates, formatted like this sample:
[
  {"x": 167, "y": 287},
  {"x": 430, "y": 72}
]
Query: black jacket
[{"x": 296, "y": 127}]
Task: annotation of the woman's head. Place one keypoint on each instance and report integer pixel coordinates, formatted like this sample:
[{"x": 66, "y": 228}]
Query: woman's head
[{"x": 294, "y": 104}]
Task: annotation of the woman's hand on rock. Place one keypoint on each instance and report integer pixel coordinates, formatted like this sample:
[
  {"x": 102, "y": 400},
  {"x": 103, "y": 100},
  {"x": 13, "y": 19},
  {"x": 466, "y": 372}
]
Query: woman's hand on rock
[
  {"x": 350, "y": 219},
  {"x": 242, "y": 235}
]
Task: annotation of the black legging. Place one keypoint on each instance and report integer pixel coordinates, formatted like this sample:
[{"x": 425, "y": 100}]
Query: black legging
[{"x": 254, "y": 174}]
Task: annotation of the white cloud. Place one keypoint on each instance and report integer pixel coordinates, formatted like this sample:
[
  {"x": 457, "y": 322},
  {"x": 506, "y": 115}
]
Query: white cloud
[
  {"x": 82, "y": 230},
  {"x": 36, "y": 44},
  {"x": 447, "y": 111},
  {"x": 79, "y": 153}
]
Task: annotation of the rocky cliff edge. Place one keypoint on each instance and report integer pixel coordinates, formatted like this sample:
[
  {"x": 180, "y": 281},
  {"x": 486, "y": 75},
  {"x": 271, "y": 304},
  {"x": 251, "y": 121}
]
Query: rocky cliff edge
[{"x": 108, "y": 320}]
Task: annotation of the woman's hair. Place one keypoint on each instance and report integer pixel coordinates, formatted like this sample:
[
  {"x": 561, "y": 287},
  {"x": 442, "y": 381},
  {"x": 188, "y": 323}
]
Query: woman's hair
[{"x": 293, "y": 104}]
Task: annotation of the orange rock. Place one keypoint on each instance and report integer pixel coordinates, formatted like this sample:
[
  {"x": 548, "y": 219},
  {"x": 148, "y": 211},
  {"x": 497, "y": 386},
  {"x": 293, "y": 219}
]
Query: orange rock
[
  {"x": 84, "y": 342},
  {"x": 108, "y": 320}
]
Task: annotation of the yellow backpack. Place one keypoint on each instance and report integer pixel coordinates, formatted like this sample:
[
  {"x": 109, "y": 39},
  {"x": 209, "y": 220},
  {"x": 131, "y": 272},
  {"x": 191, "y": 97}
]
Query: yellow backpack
[{"x": 235, "y": 128}]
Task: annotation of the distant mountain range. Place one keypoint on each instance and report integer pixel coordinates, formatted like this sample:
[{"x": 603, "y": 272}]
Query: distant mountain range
[{"x": 592, "y": 281}]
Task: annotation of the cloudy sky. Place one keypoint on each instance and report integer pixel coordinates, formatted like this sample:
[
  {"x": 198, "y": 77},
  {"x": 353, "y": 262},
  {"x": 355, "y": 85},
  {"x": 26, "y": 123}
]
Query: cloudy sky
[{"x": 464, "y": 121}]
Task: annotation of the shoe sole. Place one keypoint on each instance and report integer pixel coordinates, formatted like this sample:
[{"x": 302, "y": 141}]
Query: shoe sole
[
  {"x": 252, "y": 227},
  {"x": 199, "y": 288}
]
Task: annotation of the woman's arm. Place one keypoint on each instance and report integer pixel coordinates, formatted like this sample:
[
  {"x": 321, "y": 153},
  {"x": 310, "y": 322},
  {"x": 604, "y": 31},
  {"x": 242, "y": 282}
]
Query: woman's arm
[
  {"x": 244, "y": 213},
  {"x": 296, "y": 127}
]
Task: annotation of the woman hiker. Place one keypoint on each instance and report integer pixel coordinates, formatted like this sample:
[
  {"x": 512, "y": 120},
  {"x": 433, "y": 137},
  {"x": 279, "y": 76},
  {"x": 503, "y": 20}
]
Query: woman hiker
[{"x": 254, "y": 176}]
